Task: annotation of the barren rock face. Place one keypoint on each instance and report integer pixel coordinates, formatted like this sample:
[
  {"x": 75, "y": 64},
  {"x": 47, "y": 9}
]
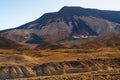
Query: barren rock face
[
  {"x": 99, "y": 25},
  {"x": 7, "y": 72}
]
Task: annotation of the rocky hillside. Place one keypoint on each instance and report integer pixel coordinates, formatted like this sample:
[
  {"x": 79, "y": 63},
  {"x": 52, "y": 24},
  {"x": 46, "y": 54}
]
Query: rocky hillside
[
  {"x": 50, "y": 45},
  {"x": 107, "y": 40},
  {"x": 64, "y": 24},
  {"x": 8, "y": 44}
]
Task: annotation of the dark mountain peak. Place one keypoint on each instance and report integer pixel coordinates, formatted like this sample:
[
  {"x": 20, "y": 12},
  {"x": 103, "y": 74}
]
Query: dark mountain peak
[
  {"x": 70, "y": 11},
  {"x": 69, "y": 8},
  {"x": 63, "y": 12}
]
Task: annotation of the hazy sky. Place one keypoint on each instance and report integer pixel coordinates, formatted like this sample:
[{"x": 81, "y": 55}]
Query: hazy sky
[{"x": 14, "y": 13}]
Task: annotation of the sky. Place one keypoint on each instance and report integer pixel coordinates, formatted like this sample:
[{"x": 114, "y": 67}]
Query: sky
[{"x": 14, "y": 13}]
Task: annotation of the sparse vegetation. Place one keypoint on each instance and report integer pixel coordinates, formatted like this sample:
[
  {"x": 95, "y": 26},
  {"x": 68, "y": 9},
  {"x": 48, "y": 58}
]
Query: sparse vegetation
[{"x": 102, "y": 63}]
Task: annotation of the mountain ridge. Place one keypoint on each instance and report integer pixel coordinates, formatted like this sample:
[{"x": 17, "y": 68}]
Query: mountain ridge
[{"x": 67, "y": 22}]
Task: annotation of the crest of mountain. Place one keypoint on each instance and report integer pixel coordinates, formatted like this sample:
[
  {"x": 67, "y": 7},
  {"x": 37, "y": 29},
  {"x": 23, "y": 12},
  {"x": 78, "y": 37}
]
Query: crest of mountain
[{"x": 66, "y": 23}]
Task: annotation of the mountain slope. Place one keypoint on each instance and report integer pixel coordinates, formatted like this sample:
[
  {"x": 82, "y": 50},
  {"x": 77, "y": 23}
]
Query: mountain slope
[
  {"x": 66, "y": 23},
  {"x": 7, "y": 43},
  {"x": 107, "y": 40}
]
